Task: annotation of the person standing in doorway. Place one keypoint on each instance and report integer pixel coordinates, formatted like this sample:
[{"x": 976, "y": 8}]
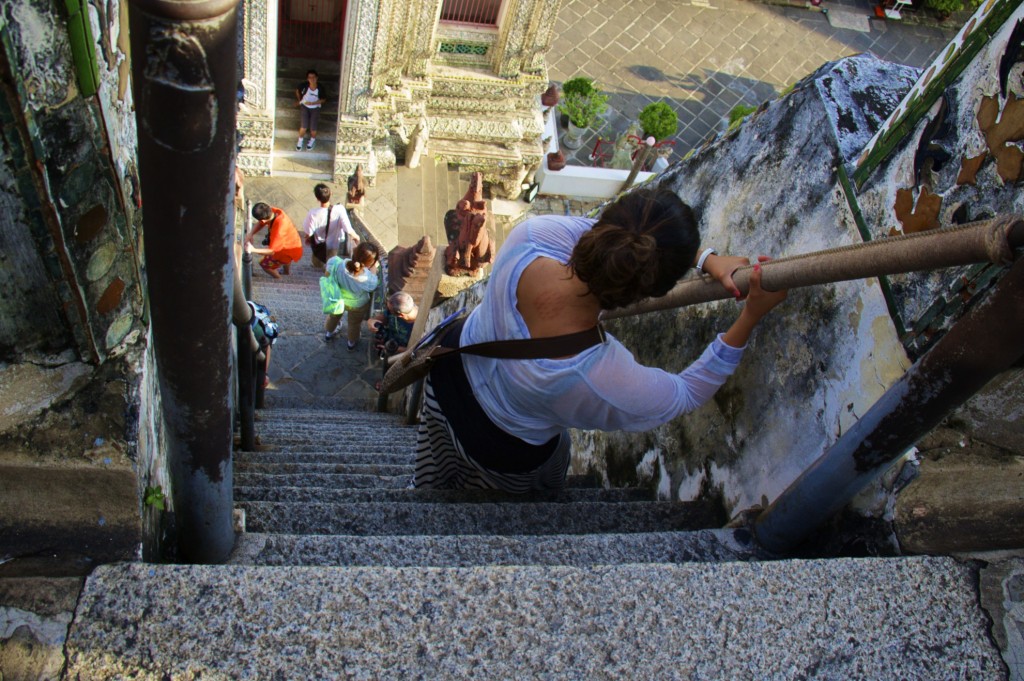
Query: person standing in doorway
[
  {"x": 309, "y": 97},
  {"x": 328, "y": 229}
]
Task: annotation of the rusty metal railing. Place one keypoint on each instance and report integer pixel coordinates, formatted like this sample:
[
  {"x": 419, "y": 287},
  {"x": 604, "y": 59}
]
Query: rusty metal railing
[{"x": 979, "y": 346}]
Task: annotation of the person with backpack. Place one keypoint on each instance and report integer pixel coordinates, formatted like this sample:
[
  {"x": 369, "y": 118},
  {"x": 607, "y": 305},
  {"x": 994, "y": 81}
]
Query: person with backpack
[
  {"x": 357, "y": 278},
  {"x": 328, "y": 229},
  {"x": 309, "y": 97}
]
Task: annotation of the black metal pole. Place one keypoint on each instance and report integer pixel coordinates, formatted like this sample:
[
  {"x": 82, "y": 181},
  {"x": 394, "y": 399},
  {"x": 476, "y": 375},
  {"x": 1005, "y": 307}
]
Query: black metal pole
[
  {"x": 184, "y": 76},
  {"x": 247, "y": 275},
  {"x": 246, "y": 391},
  {"x": 982, "y": 344}
]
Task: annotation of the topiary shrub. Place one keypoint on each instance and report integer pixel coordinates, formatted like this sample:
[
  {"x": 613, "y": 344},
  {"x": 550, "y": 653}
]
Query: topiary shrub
[
  {"x": 659, "y": 120},
  {"x": 580, "y": 85},
  {"x": 583, "y": 110}
]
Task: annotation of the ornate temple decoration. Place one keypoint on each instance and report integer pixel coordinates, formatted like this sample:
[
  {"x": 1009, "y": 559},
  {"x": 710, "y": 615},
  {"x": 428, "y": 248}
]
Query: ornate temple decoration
[
  {"x": 476, "y": 86},
  {"x": 256, "y": 115}
]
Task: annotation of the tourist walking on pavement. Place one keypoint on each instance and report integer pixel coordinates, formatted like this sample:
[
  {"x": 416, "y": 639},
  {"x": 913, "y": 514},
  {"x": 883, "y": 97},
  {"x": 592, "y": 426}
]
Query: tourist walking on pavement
[
  {"x": 357, "y": 278},
  {"x": 310, "y": 97},
  {"x": 328, "y": 229},
  {"x": 282, "y": 247}
]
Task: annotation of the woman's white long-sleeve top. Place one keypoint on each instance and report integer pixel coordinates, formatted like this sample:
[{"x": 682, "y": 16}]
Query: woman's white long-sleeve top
[{"x": 603, "y": 387}]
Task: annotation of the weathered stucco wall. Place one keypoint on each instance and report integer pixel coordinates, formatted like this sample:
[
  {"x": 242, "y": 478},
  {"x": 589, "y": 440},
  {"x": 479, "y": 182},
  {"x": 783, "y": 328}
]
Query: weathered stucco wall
[
  {"x": 78, "y": 397},
  {"x": 776, "y": 186},
  {"x": 817, "y": 362},
  {"x": 71, "y": 147},
  {"x": 961, "y": 162}
]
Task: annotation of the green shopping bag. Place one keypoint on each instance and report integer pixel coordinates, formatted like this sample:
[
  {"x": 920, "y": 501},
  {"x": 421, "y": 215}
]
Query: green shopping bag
[{"x": 330, "y": 292}]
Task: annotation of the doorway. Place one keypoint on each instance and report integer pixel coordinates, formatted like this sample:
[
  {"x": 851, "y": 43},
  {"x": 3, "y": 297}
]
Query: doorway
[{"x": 311, "y": 29}]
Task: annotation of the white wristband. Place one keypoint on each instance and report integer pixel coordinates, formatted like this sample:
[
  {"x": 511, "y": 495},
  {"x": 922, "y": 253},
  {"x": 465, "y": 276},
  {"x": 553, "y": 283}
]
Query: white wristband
[{"x": 704, "y": 256}]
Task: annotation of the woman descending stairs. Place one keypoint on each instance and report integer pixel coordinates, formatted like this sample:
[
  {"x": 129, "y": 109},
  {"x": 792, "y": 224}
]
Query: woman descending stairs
[{"x": 344, "y": 571}]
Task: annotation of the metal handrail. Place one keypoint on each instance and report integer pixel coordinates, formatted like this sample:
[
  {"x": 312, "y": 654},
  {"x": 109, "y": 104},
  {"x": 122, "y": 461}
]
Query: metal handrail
[
  {"x": 247, "y": 348},
  {"x": 977, "y": 242}
]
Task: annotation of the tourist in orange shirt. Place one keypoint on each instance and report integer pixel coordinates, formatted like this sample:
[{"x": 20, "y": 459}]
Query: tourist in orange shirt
[{"x": 284, "y": 245}]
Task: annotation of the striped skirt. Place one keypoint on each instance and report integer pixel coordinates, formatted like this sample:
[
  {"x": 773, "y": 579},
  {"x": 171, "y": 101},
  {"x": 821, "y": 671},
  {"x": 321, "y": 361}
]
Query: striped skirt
[{"x": 442, "y": 462}]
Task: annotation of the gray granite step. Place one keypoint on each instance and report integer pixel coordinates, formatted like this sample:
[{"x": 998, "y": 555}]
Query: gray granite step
[
  {"x": 318, "y": 415},
  {"x": 404, "y": 457},
  {"x": 351, "y": 427},
  {"x": 481, "y": 550},
  {"x": 333, "y": 495},
  {"x": 345, "y": 481},
  {"x": 398, "y": 448},
  {"x": 336, "y": 481},
  {"x": 374, "y": 518},
  {"x": 905, "y": 618},
  {"x": 318, "y": 469}
]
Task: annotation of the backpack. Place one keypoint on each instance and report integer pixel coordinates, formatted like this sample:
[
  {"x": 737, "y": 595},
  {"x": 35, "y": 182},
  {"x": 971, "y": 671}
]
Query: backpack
[
  {"x": 264, "y": 328},
  {"x": 330, "y": 291}
]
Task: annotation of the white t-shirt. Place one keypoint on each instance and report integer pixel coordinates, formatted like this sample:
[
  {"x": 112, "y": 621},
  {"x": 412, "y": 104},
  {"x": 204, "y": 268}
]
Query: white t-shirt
[
  {"x": 316, "y": 223},
  {"x": 602, "y": 388},
  {"x": 312, "y": 98}
]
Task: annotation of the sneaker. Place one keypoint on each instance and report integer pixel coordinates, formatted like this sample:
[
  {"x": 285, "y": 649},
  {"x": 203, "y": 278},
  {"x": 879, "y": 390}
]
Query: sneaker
[
  {"x": 328, "y": 337},
  {"x": 298, "y": 145},
  {"x": 310, "y": 143},
  {"x": 350, "y": 345}
]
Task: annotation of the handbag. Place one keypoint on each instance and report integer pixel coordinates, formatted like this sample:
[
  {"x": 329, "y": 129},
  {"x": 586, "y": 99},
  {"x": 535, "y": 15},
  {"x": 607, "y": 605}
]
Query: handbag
[
  {"x": 416, "y": 363},
  {"x": 319, "y": 248},
  {"x": 330, "y": 291}
]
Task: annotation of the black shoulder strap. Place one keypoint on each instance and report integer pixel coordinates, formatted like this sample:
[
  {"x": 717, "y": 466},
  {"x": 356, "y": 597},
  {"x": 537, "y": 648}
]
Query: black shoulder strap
[
  {"x": 327, "y": 227},
  {"x": 532, "y": 348}
]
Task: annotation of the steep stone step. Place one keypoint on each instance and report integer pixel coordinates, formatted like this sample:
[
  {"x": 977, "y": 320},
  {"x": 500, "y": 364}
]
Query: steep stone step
[
  {"x": 338, "y": 481},
  {"x": 339, "y": 418},
  {"x": 871, "y": 618},
  {"x": 354, "y": 439},
  {"x": 342, "y": 481},
  {"x": 400, "y": 448},
  {"x": 481, "y": 550},
  {"x": 318, "y": 469},
  {"x": 349, "y": 458},
  {"x": 331, "y": 495},
  {"x": 483, "y": 518}
]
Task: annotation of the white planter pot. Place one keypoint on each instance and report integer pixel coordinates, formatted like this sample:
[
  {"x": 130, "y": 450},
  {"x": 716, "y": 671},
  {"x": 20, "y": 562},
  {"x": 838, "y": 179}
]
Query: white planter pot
[{"x": 573, "y": 137}]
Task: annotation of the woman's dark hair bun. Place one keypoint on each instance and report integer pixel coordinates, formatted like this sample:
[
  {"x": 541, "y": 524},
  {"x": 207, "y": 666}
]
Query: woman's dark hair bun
[{"x": 639, "y": 248}]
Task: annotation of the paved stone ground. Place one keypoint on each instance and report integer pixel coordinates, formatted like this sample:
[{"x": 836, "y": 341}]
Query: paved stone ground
[{"x": 704, "y": 58}]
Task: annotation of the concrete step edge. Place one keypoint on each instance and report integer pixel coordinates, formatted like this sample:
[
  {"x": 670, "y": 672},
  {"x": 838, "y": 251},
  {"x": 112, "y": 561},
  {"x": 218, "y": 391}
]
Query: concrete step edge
[
  {"x": 695, "y": 620},
  {"x": 482, "y": 550}
]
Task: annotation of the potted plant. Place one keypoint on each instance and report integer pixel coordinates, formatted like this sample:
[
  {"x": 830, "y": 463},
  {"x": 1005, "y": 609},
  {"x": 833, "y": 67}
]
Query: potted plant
[
  {"x": 580, "y": 85},
  {"x": 582, "y": 109},
  {"x": 659, "y": 120}
]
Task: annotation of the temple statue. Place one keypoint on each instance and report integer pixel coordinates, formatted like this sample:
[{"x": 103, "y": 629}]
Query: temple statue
[{"x": 470, "y": 245}]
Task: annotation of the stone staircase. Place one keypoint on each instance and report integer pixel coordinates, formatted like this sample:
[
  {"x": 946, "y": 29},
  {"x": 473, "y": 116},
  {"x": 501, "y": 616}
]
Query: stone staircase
[
  {"x": 309, "y": 164},
  {"x": 343, "y": 571},
  {"x": 440, "y": 189}
]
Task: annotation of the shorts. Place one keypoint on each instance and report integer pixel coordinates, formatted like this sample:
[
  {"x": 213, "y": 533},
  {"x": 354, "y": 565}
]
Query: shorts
[
  {"x": 310, "y": 117},
  {"x": 268, "y": 263}
]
